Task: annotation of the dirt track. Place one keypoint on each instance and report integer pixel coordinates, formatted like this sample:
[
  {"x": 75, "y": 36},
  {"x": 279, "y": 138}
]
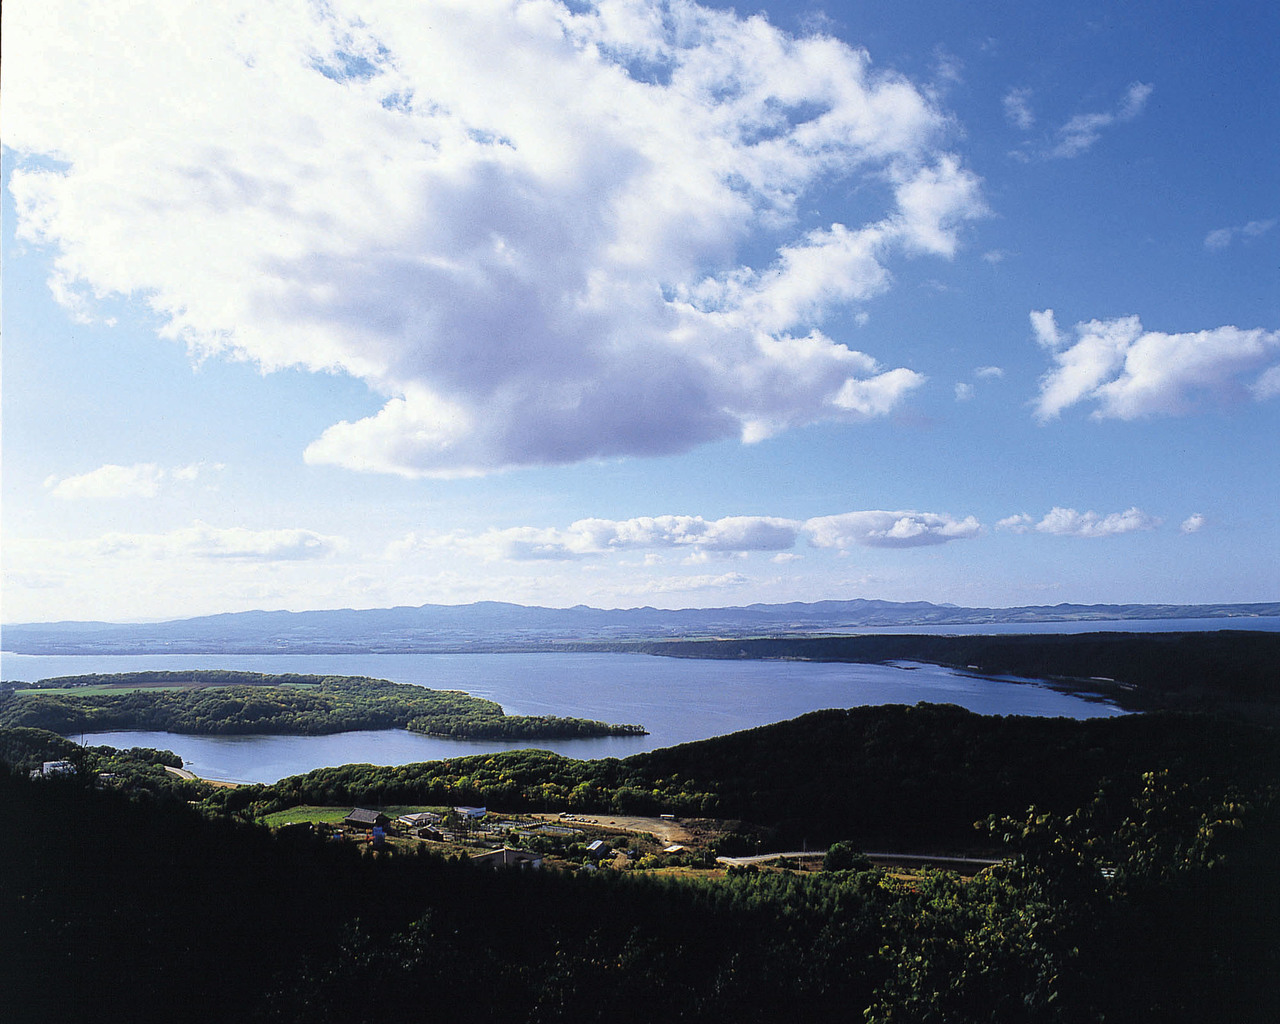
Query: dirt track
[{"x": 666, "y": 830}]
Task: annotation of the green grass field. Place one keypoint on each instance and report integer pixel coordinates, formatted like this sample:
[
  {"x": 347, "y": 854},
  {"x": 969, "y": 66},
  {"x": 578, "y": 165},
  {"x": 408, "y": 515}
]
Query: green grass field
[
  {"x": 334, "y": 815},
  {"x": 83, "y": 691}
]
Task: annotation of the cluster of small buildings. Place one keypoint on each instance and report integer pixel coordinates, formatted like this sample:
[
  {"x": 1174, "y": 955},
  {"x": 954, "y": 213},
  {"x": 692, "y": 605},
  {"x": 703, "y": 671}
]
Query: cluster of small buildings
[{"x": 435, "y": 827}]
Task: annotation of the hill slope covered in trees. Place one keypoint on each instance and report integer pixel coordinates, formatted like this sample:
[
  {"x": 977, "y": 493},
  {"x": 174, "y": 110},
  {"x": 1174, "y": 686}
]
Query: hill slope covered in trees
[{"x": 241, "y": 703}]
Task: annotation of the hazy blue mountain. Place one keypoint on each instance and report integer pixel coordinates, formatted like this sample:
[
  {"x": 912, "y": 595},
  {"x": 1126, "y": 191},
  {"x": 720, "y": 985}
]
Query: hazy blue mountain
[{"x": 491, "y": 625}]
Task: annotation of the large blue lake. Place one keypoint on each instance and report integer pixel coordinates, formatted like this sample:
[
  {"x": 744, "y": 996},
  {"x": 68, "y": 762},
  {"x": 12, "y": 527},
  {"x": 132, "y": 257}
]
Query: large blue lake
[{"x": 676, "y": 699}]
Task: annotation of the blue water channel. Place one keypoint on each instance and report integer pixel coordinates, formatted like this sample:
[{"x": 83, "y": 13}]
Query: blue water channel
[{"x": 676, "y": 699}]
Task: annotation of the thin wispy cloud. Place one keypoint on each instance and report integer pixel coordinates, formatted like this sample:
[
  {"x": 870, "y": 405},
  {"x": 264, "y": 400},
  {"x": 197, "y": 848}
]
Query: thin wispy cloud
[
  {"x": 1017, "y": 109},
  {"x": 141, "y": 480},
  {"x": 204, "y": 542},
  {"x": 1077, "y": 135},
  {"x": 1128, "y": 372},
  {"x": 965, "y": 391},
  {"x": 523, "y": 227},
  {"x": 1084, "y": 130},
  {"x": 1222, "y": 238},
  {"x": 111, "y": 481},
  {"x": 686, "y": 584}
]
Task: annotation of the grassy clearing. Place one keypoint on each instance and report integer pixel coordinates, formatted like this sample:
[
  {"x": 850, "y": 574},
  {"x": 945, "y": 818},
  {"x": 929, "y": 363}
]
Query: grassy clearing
[
  {"x": 99, "y": 688},
  {"x": 329, "y": 815},
  {"x": 334, "y": 815},
  {"x": 84, "y": 691}
]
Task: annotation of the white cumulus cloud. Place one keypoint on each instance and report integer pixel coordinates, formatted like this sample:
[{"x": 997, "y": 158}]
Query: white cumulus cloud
[
  {"x": 589, "y": 537},
  {"x": 543, "y": 232},
  {"x": 1067, "y": 522},
  {"x": 1130, "y": 372},
  {"x": 1018, "y": 523},
  {"x": 141, "y": 480},
  {"x": 696, "y": 536},
  {"x": 881, "y": 529},
  {"x": 1193, "y": 523}
]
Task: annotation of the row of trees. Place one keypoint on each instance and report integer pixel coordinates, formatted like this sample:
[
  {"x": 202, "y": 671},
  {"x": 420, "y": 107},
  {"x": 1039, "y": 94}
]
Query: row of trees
[{"x": 1161, "y": 905}]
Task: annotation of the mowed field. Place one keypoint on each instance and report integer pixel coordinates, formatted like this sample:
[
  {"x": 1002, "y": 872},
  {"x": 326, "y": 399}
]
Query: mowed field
[
  {"x": 333, "y": 815},
  {"x": 96, "y": 688}
]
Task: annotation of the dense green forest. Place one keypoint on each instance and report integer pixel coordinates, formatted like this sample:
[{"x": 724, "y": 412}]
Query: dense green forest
[
  {"x": 236, "y": 703},
  {"x": 1153, "y": 899},
  {"x": 1218, "y": 669},
  {"x": 1138, "y": 880}
]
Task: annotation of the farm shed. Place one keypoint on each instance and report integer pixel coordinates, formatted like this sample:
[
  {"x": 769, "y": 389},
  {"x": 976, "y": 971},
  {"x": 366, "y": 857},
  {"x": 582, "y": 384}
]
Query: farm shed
[
  {"x": 419, "y": 819},
  {"x": 362, "y": 818},
  {"x": 507, "y": 857}
]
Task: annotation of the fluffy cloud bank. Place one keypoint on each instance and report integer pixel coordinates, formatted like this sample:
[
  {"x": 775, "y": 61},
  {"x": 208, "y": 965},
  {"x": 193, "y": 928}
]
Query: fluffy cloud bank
[
  {"x": 695, "y": 535},
  {"x": 543, "y": 232},
  {"x": 879, "y": 529},
  {"x": 1130, "y": 372}
]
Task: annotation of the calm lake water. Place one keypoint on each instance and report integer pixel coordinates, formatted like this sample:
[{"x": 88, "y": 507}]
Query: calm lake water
[{"x": 676, "y": 699}]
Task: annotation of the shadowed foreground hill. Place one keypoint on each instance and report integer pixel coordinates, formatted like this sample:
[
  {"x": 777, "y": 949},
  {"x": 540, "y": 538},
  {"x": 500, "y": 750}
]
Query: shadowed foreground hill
[
  {"x": 905, "y": 776},
  {"x": 1158, "y": 900}
]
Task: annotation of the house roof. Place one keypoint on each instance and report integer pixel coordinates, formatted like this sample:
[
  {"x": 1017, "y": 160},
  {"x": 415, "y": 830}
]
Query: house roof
[
  {"x": 507, "y": 856},
  {"x": 419, "y": 818},
  {"x": 362, "y": 816}
]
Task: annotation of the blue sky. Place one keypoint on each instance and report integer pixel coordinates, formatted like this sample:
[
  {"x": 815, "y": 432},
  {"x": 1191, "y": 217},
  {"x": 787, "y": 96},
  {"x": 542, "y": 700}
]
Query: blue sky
[{"x": 353, "y": 305}]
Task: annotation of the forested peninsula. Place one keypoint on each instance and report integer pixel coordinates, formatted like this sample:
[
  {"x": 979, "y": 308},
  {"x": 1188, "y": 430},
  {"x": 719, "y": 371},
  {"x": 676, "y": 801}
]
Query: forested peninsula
[
  {"x": 242, "y": 703},
  {"x": 1220, "y": 670}
]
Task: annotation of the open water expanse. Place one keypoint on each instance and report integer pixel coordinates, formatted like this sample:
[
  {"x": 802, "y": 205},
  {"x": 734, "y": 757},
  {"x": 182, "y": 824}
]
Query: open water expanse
[{"x": 676, "y": 699}]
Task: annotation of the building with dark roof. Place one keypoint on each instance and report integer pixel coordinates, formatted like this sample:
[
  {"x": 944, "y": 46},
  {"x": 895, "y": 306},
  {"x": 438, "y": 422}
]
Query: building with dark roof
[
  {"x": 507, "y": 857},
  {"x": 362, "y": 818}
]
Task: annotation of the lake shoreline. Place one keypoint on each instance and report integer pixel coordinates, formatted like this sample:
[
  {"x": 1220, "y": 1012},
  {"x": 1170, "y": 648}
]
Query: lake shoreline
[{"x": 678, "y": 700}]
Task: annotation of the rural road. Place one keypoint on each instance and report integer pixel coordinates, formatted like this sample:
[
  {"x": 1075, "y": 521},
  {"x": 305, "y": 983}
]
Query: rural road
[{"x": 901, "y": 859}]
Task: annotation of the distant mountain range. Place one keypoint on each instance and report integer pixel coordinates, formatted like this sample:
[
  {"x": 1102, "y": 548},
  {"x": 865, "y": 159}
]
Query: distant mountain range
[{"x": 494, "y": 625}]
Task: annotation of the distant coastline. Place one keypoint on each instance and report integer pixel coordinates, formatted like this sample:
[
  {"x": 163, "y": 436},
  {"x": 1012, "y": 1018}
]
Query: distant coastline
[{"x": 496, "y": 626}]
